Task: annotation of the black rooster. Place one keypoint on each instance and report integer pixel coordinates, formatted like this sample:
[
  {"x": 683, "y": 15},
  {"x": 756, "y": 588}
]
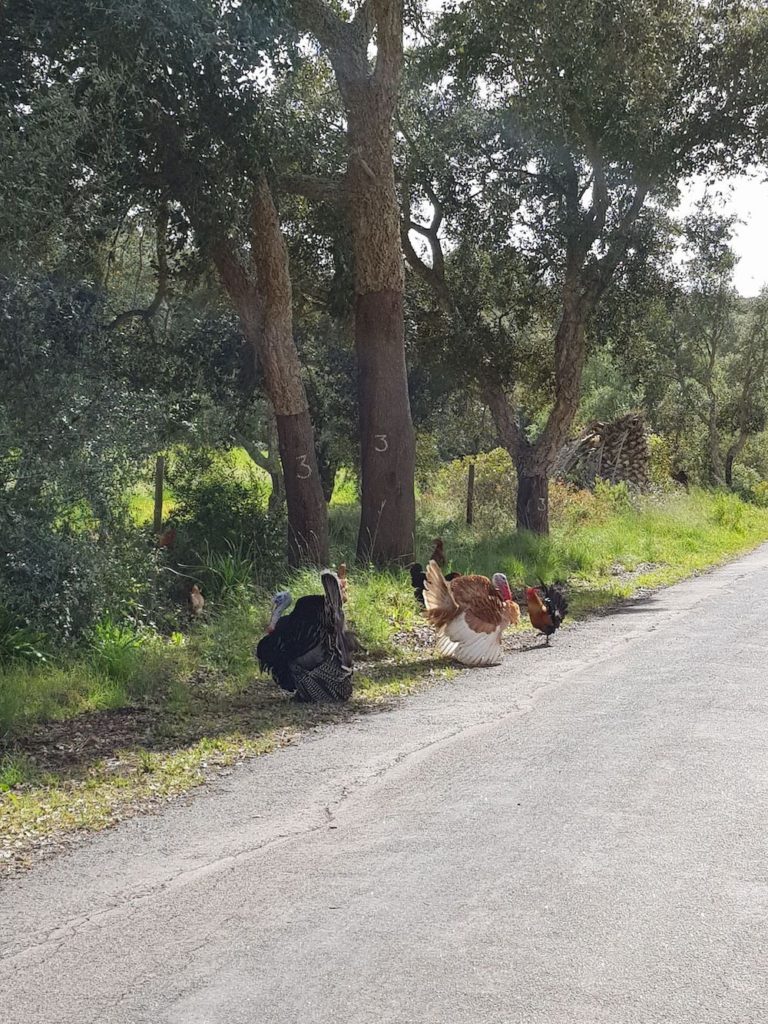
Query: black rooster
[
  {"x": 547, "y": 606},
  {"x": 418, "y": 576},
  {"x": 308, "y": 651}
]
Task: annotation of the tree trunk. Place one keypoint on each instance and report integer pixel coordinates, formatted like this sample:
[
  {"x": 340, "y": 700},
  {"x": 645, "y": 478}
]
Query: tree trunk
[
  {"x": 730, "y": 458},
  {"x": 716, "y": 471},
  {"x": 471, "y": 494},
  {"x": 387, "y": 457},
  {"x": 532, "y": 502},
  {"x": 263, "y": 300},
  {"x": 369, "y": 95},
  {"x": 387, "y": 449}
]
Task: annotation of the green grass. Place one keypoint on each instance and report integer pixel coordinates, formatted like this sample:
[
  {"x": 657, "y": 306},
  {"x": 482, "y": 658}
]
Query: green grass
[{"x": 133, "y": 719}]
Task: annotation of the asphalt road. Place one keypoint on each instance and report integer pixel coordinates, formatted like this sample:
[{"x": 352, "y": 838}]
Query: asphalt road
[{"x": 578, "y": 836}]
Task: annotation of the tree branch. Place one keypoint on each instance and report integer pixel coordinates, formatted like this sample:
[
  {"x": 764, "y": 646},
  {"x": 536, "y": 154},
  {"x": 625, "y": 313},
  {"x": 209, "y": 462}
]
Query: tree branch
[
  {"x": 161, "y": 248},
  {"x": 510, "y": 432},
  {"x": 312, "y": 187}
]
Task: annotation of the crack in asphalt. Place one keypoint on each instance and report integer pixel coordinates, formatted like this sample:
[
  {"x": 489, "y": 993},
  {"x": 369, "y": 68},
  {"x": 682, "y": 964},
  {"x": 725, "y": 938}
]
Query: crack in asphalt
[{"x": 52, "y": 941}]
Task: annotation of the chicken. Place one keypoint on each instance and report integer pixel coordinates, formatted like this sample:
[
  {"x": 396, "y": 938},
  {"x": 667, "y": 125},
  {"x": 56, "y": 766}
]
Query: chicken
[
  {"x": 308, "y": 652},
  {"x": 196, "y": 600},
  {"x": 167, "y": 538},
  {"x": 547, "y": 605},
  {"x": 343, "y": 582},
  {"x": 438, "y": 555},
  {"x": 419, "y": 577},
  {"x": 470, "y": 614}
]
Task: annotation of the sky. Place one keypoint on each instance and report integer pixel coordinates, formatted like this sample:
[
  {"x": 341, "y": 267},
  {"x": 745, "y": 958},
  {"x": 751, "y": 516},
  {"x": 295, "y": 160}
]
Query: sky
[{"x": 747, "y": 197}]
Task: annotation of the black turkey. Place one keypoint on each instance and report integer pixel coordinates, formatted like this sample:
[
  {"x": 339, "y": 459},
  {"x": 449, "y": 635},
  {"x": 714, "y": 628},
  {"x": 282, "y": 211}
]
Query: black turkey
[{"x": 308, "y": 652}]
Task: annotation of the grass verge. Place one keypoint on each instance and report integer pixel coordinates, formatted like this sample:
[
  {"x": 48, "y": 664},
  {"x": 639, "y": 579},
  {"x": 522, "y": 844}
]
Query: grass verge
[{"x": 134, "y": 721}]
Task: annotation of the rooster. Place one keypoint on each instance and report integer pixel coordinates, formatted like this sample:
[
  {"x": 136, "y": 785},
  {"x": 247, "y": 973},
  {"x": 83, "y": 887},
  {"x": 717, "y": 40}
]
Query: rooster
[
  {"x": 470, "y": 614},
  {"x": 547, "y": 606},
  {"x": 419, "y": 577}
]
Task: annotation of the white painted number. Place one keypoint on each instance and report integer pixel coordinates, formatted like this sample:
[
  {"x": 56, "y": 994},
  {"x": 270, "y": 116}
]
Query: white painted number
[
  {"x": 542, "y": 505},
  {"x": 384, "y": 443},
  {"x": 303, "y": 464}
]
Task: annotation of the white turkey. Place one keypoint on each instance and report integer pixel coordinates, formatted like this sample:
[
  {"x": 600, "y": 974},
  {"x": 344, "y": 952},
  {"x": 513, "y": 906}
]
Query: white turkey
[{"x": 469, "y": 614}]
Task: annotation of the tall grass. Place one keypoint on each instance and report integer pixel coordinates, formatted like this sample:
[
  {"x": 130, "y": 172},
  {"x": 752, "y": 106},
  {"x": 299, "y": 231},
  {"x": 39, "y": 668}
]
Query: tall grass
[{"x": 604, "y": 544}]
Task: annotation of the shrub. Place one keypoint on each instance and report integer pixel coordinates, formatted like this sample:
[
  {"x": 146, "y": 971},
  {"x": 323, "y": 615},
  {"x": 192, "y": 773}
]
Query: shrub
[
  {"x": 219, "y": 516},
  {"x": 495, "y": 491},
  {"x": 18, "y": 642},
  {"x": 615, "y": 498},
  {"x": 63, "y": 581},
  {"x": 728, "y": 512},
  {"x": 115, "y": 648}
]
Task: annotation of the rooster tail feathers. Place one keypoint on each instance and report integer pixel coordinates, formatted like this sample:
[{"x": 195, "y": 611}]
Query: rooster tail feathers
[
  {"x": 555, "y": 598},
  {"x": 417, "y": 575}
]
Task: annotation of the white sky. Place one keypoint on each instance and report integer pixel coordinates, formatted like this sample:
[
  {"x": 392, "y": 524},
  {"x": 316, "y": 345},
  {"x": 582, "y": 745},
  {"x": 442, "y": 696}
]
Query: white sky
[{"x": 747, "y": 197}]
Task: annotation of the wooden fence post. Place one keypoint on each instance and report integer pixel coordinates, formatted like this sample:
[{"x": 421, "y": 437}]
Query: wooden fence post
[
  {"x": 471, "y": 494},
  {"x": 159, "y": 479}
]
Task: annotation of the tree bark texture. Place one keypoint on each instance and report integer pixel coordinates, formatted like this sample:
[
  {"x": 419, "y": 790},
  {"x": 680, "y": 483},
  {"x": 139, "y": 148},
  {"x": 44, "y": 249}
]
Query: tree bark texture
[
  {"x": 369, "y": 95},
  {"x": 533, "y": 502},
  {"x": 263, "y": 298},
  {"x": 388, "y": 513},
  {"x": 386, "y": 434}
]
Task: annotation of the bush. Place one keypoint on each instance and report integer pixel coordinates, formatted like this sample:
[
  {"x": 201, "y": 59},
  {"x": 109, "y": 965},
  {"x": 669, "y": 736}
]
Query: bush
[
  {"x": 728, "y": 512},
  {"x": 115, "y": 648},
  {"x": 222, "y": 522},
  {"x": 18, "y": 642},
  {"x": 614, "y": 498},
  {"x": 495, "y": 491},
  {"x": 60, "y": 580}
]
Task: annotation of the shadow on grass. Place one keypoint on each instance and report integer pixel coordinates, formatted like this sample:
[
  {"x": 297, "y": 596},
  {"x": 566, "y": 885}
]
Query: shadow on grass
[{"x": 205, "y": 709}]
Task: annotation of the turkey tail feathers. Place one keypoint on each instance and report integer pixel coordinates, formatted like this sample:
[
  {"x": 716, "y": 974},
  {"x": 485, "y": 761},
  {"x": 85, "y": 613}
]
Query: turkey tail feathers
[
  {"x": 335, "y": 617},
  {"x": 438, "y": 600}
]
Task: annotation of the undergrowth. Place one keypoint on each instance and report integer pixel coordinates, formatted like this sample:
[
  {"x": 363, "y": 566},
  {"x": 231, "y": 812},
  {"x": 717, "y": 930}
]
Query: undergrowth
[{"x": 195, "y": 700}]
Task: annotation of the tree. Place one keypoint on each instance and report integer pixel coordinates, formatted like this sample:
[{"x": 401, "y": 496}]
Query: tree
[
  {"x": 717, "y": 345},
  {"x": 176, "y": 118},
  {"x": 570, "y": 141},
  {"x": 369, "y": 95}
]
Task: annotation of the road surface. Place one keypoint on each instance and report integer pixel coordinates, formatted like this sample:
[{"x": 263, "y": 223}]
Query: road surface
[{"x": 577, "y": 836}]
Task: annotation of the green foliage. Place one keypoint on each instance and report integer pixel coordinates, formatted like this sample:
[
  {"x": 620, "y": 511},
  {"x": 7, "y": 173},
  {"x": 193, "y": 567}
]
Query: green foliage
[
  {"x": 495, "y": 492},
  {"x": 18, "y": 642},
  {"x": 728, "y": 511},
  {"x": 616, "y": 497},
  {"x": 219, "y": 513},
  {"x": 660, "y": 465},
  {"x": 226, "y": 574},
  {"x": 115, "y": 648}
]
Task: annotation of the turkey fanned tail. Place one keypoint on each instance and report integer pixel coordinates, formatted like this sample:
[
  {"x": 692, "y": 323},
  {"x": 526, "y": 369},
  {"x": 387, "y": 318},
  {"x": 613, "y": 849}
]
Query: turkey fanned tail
[{"x": 309, "y": 652}]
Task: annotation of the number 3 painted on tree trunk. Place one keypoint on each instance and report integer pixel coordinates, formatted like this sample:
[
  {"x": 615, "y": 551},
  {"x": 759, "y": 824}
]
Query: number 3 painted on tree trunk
[
  {"x": 542, "y": 504},
  {"x": 303, "y": 464},
  {"x": 384, "y": 441}
]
